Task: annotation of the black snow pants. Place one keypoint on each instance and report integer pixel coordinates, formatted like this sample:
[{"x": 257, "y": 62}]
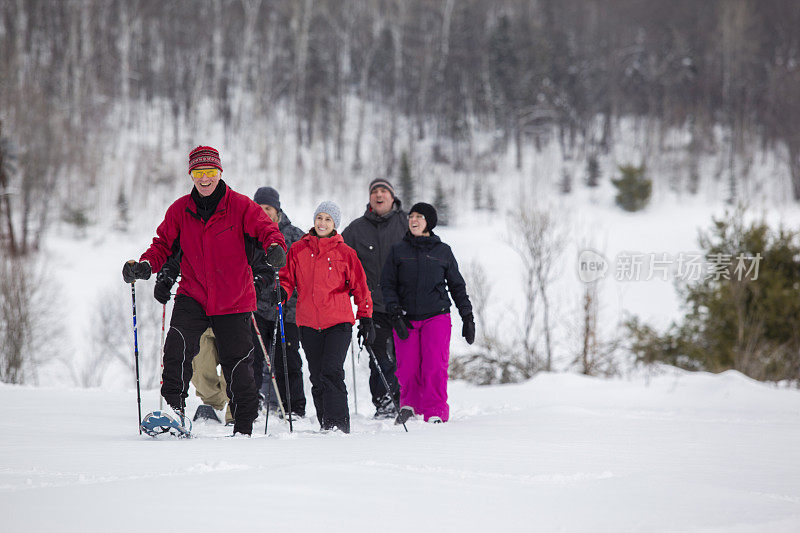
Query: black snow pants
[
  {"x": 235, "y": 349},
  {"x": 384, "y": 353},
  {"x": 293, "y": 360},
  {"x": 325, "y": 352}
]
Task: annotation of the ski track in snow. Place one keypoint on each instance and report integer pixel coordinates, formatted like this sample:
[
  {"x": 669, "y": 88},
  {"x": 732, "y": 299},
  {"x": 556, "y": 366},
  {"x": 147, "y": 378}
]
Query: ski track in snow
[
  {"x": 435, "y": 471},
  {"x": 68, "y": 479}
]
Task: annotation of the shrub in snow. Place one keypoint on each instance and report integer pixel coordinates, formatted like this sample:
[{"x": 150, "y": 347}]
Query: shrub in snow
[
  {"x": 633, "y": 188},
  {"x": 406, "y": 180},
  {"x": 441, "y": 204},
  {"x": 744, "y": 314},
  {"x": 592, "y": 171}
]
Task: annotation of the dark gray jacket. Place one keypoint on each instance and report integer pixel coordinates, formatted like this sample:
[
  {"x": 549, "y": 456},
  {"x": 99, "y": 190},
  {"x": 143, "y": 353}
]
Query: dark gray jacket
[
  {"x": 291, "y": 234},
  {"x": 372, "y": 237}
]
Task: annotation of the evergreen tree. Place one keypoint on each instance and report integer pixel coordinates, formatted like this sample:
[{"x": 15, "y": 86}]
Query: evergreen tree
[
  {"x": 441, "y": 204},
  {"x": 406, "y": 180},
  {"x": 504, "y": 60},
  {"x": 123, "y": 218},
  {"x": 633, "y": 188},
  {"x": 743, "y": 314},
  {"x": 491, "y": 203},
  {"x": 477, "y": 195},
  {"x": 592, "y": 171},
  {"x": 566, "y": 181}
]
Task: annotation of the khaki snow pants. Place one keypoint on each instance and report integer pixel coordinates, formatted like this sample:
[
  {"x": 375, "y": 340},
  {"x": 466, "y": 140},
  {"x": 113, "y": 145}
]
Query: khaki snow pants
[{"x": 209, "y": 383}]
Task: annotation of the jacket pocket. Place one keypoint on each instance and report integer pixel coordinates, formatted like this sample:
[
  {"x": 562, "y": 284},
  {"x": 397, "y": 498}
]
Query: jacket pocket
[
  {"x": 220, "y": 232},
  {"x": 337, "y": 275}
]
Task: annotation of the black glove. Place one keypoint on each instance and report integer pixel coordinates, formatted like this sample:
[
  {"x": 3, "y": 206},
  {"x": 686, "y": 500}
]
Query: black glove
[
  {"x": 163, "y": 288},
  {"x": 276, "y": 257},
  {"x": 401, "y": 325},
  {"x": 468, "y": 329},
  {"x": 366, "y": 330},
  {"x": 276, "y": 297},
  {"x": 261, "y": 286},
  {"x": 132, "y": 270}
]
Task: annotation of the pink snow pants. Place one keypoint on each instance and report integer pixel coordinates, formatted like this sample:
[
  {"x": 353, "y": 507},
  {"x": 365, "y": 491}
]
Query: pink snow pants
[{"x": 422, "y": 366}]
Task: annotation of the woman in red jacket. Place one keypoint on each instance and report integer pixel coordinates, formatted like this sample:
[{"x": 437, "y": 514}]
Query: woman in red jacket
[{"x": 326, "y": 272}]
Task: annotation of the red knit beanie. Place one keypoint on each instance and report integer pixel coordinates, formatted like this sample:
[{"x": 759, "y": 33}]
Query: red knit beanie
[{"x": 204, "y": 156}]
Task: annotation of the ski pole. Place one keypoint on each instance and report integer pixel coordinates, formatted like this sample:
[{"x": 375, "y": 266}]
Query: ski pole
[
  {"x": 269, "y": 365},
  {"x": 136, "y": 357},
  {"x": 383, "y": 378},
  {"x": 271, "y": 373},
  {"x": 285, "y": 367},
  {"x": 161, "y": 381},
  {"x": 355, "y": 389}
]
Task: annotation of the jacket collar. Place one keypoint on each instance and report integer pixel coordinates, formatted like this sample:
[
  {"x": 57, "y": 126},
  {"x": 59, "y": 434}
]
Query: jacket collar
[
  {"x": 373, "y": 217},
  {"x": 221, "y": 206},
  {"x": 284, "y": 221},
  {"x": 324, "y": 244},
  {"x": 422, "y": 242}
]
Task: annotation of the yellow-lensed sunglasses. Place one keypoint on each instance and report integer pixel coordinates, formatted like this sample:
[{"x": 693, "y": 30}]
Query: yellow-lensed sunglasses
[{"x": 200, "y": 172}]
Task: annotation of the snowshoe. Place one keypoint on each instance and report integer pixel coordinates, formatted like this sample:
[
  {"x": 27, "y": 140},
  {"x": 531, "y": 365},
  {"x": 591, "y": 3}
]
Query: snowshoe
[
  {"x": 159, "y": 422},
  {"x": 206, "y": 412},
  {"x": 405, "y": 414},
  {"x": 435, "y": 420}
]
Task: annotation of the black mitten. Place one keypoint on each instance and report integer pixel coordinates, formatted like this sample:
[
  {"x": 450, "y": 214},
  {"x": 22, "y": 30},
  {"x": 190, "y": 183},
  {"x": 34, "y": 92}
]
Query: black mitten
[
  {"x": 366, "y": 330},
  {"x": 133, "y": 270},
  {"x": 276, "y": 257},
  {"x": 468, "y": 330}
]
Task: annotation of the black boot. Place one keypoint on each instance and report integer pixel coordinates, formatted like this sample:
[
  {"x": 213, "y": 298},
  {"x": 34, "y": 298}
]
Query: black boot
[{"x": 243, "y": 429}]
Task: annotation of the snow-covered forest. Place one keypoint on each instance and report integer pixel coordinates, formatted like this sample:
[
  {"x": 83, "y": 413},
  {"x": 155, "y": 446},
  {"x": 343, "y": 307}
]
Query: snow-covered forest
[
  {"x": 315, "y": 91},
  {"x": 491, "y": 105},
  {"x": 605, "y": 171}
]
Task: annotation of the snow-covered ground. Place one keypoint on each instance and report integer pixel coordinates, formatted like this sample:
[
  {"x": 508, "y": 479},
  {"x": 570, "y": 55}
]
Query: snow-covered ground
[{"x": 673, "y": 452}]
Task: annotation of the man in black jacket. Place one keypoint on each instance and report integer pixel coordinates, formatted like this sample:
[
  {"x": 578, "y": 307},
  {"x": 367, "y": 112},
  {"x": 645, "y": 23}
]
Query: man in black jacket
[
  {"x": 372, "y": 235},
  {"x": 269, "y": 200}
]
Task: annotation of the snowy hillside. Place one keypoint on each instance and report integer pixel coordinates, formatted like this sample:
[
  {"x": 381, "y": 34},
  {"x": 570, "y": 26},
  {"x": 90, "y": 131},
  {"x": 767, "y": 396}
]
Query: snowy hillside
[
  {"x": 86, "y": 278},
  {"x": 677, "y": 452}
]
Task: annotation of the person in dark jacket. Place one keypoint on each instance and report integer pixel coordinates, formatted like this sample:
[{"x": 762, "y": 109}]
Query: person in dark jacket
[
  {"x": 216, "y": 287},
  {"x": 267, "y": 314},
  {"x": 416, "y": 278},
  {"x": 326, "y": 272},
  {"x": 372, "y": 235},
  {"x": 209, "y": 385}
]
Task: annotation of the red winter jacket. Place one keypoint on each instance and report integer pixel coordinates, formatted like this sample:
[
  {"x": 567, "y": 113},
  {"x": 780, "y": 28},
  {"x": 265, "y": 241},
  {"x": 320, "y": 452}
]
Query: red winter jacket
[
  {"x": 214, "y": 266},
  {"x": 325, "y": 272}
]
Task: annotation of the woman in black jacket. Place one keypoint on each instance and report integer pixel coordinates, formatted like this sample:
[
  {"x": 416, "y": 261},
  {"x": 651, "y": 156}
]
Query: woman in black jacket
[{"x": 416, "y": 277}]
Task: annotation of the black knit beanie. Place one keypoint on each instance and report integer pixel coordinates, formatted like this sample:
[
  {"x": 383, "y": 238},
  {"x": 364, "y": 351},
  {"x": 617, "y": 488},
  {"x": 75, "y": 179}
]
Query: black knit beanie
[
  {"x": 268, "y": 196},
  {"x": 428, "y": 211}
]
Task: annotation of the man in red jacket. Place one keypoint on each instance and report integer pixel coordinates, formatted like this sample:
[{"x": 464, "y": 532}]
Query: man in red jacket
[{"x": 216, "y": 288}]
